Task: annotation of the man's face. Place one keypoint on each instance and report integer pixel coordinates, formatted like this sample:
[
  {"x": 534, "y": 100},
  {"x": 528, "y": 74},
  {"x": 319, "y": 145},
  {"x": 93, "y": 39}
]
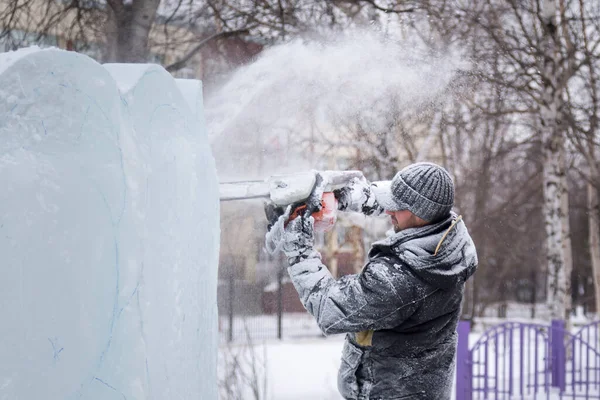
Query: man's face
[{"x": 404, "y": 219}]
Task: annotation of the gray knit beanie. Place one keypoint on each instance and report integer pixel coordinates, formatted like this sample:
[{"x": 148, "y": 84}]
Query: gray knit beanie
[{"x": 425, "y": 189}]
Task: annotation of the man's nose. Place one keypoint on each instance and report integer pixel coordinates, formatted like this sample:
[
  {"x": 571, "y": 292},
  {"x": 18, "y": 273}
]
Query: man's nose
[{"x": 389, "y": 212}]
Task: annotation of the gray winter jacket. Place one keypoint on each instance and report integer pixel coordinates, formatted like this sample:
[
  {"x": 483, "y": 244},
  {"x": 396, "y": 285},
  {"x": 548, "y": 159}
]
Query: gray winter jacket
[{"x": 400, "y": 313}]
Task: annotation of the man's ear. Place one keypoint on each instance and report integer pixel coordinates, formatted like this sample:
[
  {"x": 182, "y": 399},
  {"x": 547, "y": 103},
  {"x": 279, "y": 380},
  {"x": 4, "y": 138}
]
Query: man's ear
[{"x": 418, "y": 221}]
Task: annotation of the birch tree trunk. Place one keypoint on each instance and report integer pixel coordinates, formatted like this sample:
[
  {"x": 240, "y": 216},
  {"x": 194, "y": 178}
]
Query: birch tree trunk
[
  {"x": 558, "y": 288},
  {"x": 128, "y": 29}
]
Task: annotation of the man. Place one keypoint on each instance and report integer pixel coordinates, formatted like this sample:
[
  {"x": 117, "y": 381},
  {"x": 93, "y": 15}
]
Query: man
[{"x": 400, "y": 313}]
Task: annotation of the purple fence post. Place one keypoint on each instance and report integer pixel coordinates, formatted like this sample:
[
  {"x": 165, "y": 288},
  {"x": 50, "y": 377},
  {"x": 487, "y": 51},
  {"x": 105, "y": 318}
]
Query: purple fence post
[
  {"x": 463, "y": 362},
  {"x": 557, "y": 348}
]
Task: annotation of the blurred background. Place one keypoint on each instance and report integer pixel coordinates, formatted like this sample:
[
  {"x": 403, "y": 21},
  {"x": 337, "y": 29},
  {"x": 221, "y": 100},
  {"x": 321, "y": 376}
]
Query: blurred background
[{"x": 503, "y": 93}]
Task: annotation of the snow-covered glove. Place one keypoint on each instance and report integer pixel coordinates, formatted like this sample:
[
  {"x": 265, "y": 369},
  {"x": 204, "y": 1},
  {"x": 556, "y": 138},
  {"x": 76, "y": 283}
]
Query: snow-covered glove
[
  {"x": 298, "y": 240},
  {"x": 357, "y": 197},
  {"x": 297, "y": 236}
]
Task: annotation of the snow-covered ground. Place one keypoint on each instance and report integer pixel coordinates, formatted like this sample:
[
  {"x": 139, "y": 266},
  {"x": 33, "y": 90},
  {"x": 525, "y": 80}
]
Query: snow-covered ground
[
  {"x": 304, "y": 369},
  {"x": 296, "y": 369}
]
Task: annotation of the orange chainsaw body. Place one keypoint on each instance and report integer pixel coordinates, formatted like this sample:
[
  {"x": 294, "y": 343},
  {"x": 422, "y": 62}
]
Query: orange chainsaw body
[{"x": 324, "y": 218}]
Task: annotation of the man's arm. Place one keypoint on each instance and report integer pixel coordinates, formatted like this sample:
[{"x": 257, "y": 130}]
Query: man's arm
[
  {"x": 377, "y": 298},
  {"x": 358, "y": 197},
  {"x": 380, "y": 297}
]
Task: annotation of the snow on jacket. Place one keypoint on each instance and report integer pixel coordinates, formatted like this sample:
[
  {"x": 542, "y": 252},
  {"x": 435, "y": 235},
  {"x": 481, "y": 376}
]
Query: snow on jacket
[{"x": 400, "y": 313}]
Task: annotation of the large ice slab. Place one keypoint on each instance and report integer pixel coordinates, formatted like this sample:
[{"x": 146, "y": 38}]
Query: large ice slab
[{"x": 109, "y": 224}]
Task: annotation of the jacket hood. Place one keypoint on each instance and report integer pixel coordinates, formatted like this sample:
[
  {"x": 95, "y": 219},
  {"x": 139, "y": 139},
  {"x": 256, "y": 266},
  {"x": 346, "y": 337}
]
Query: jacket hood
[{"x": 454, "y": 262}]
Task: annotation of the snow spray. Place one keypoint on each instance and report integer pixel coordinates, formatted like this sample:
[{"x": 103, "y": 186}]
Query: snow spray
[{"x": 307, "y": 88}]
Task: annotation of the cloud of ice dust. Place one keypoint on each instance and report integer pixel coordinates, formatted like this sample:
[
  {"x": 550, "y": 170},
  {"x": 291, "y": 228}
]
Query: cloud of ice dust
[{"x": 264, "y": 107}]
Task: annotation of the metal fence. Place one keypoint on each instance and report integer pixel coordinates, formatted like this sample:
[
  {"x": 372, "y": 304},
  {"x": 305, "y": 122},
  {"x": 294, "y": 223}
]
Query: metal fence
[
  {"x": 529, "y": 361},
  {"x": 251, "y": 312},
  {"x": 257, "y": 328}
]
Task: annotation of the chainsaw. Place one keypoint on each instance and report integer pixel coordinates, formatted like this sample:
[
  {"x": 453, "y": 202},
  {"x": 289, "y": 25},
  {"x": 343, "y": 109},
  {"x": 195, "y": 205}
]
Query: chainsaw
[{"x": 290, "y": 196}]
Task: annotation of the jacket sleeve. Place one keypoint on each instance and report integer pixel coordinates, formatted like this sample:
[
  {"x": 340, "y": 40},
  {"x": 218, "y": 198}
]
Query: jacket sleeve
[
  {"x": 358, "y": 197},
  {"x": 377, "y": 298}
]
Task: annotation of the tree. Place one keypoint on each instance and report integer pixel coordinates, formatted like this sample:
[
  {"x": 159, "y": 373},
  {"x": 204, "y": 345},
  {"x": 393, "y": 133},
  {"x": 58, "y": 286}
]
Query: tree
[
  {"x": 128, "y": 26},
  {"x": 554, "y": 74}
]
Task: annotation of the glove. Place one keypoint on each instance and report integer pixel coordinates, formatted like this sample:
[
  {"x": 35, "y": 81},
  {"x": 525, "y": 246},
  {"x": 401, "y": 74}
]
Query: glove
[
  {"x": 358, "y": 197},
  {"x": 297, "y": 236},
  {"x": 298, "y": 240}
]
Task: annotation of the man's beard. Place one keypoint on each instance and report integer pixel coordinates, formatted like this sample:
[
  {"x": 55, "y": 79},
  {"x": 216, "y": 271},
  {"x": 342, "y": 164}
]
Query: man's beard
[{"x": 395, "y": 224}]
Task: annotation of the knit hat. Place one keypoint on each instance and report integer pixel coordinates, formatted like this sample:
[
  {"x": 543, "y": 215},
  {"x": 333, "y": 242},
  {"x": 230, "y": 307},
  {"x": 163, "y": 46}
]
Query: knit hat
[{"x": 425, "y": 189}]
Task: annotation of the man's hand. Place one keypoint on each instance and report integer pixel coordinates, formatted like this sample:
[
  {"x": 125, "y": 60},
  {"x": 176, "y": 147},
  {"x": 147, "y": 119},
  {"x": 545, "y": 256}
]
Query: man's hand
[
  {"x": 357, "y": 197},
  {"x": 298, "y": 239}
]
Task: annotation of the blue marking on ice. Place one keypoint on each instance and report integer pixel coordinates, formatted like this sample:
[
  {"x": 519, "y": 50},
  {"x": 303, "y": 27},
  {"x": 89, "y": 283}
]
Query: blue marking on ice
[
  {"x": 109, "y": 386},
  {"x": 85, "y": 117},
  {"x": 55, "y": 351},
  {"x": 177, "y": 111},
  {"x": 129, "y": 299}
]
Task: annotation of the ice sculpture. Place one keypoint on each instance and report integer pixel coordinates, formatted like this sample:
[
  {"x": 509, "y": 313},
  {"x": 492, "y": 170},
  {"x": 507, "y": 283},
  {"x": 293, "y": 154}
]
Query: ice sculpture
[{"x": 109, "y": 229}]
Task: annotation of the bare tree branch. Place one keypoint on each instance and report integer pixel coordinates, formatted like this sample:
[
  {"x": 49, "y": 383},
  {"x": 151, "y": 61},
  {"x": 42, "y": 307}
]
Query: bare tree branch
[{"x": 183, "y": 61}]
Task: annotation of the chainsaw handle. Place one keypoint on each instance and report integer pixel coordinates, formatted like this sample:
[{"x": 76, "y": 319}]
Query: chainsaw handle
[{"x": 298, "y": 211}]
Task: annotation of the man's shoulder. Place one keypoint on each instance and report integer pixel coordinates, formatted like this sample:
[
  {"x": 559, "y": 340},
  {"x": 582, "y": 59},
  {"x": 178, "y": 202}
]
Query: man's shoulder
[
  {"x": 393, "y": 268},
  {"x": 397, "y": 280},
  {"x": 390, "y": 265},
  {"x": 385, "y": 258}
]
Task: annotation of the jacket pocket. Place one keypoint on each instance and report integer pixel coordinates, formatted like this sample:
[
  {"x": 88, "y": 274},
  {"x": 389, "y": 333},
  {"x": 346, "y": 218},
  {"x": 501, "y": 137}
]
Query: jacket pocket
[{"x": 351, "y": 358}]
